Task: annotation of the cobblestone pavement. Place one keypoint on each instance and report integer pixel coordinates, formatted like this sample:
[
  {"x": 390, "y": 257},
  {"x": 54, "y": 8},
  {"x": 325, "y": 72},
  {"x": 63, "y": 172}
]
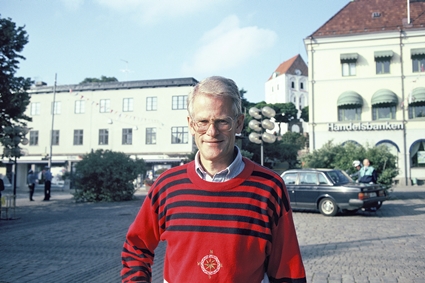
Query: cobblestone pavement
[{"x": 64, "y": 241}]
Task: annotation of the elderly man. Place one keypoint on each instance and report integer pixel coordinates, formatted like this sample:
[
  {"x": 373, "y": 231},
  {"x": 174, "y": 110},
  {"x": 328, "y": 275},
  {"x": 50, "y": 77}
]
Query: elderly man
[
  {"x": 224, "y": 217},
  {"x": 367, "y": 173}
]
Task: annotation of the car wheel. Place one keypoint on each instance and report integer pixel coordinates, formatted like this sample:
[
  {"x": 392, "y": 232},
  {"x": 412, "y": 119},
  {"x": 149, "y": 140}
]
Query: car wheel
[{"x": 328, "y": 207}]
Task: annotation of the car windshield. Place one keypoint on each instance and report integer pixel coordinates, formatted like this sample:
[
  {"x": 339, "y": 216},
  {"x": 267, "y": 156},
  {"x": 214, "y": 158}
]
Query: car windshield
[{"x": 339, "y": 177}]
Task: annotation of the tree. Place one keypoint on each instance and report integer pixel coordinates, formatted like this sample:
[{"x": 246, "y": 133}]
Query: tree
[
  {"x": 14, "y": 98},
  {"x": 106, "y": 176},
  {"x": 102, "y": 79},
  {"x": 342, "y": 157},
  {"x": 304, "y": 114}
]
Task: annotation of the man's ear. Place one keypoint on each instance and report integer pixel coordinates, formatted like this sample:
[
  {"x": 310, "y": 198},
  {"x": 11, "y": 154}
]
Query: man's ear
[
  {"x": 189, "y": 122},
  {"x": 239, "y": 123}
]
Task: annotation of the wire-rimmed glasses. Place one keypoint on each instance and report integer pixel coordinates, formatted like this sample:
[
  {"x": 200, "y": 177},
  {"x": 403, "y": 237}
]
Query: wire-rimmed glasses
[{"x": 222, "y": 124}]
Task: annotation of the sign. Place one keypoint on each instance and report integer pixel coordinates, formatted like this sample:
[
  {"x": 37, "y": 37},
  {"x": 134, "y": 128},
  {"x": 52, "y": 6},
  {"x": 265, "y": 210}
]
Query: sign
[{"x": 332, "y": 127}]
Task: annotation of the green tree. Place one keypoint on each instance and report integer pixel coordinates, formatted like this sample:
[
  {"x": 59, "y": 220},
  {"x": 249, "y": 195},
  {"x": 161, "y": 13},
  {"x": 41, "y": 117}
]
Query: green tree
[
  {"x": 102, "y": 79},
  {"x": 294, "y": 138},
  {"x": 106, "y": 176},
  {"x": 14, "y": 98},
  {"x": 304, "y": 114},
  {"x": 342, "y": 156}
]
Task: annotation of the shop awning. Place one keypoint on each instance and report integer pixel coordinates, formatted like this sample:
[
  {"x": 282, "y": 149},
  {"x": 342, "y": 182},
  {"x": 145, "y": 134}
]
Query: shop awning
[
  {"x": 383, "y": 54},
  {"x": 418, "y": 95},
  {"x": 417, "y": 52},
  {"x": 349, "y": 57},
  {"x": 350, "y": 98},
  {"x": 384, "y": 96}
]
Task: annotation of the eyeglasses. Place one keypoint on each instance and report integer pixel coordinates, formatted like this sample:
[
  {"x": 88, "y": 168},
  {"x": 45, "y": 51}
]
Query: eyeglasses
[{"x": 223, "y": 125}]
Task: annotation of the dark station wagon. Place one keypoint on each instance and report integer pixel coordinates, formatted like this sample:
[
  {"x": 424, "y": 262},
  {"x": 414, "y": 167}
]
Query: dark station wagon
[{"x": 331, "y": 191}]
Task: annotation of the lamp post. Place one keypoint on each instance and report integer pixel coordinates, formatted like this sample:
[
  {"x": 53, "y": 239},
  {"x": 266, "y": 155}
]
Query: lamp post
[
  {"x": 259, "y": 125},
  {"x": 13, "y": 137}
]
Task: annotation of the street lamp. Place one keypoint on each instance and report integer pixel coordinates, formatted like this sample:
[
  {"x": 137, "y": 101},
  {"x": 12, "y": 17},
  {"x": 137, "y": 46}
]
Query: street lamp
[
  {"x": 260, "y": 126},
  {"x": 13, "y": 137}
]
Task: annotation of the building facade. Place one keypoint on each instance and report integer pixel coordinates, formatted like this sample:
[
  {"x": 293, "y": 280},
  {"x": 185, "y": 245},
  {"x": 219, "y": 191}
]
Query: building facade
[
  {"x": 367, "y": 80},
  {"x": 144, "y": 119},
  {"x": 289, "y": 83}
]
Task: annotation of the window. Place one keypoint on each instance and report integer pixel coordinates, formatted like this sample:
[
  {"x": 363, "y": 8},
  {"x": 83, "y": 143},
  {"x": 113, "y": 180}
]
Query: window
[
  {"x": 127, "y": 136},
  {"x": 150, "y": 135},
  {"x": 179, "y": 135},
  {"x": 35, "y": 108},
  {"x": 301, "y": 85},
  {"x": 418, "y": 64},
  {"x": 151, "y": 104},
  {"x": 127, "y": 105},
  {"x": 105, "y": 105},
  {"x": 80, "y": 106},
  {"x": 383, "y": 65},
  {"x": 292, "y": 84},
  {"x": 55, "y": 137},
  {"x": 78, "y": 137},
  {"x": 290, "y": 178},
  {"x": 417, "y": 153},
  {"x": 56, "y": 107},
  {"x": 417, "y": 110},
  {"x": 322, "y": 180},
  {"x": 384, "y": 111},
  {"x": 308, "y": 178},
  {"x": 349, "y": 113},
  {"x": 33, "y": 137},
  {"x": 348, "y": 69},
  {"x": 103, "y": 136},
  {"x": 179, "y": 102}
]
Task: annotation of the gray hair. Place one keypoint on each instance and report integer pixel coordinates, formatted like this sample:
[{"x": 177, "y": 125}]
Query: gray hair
[{"x": 218, "y": 87}]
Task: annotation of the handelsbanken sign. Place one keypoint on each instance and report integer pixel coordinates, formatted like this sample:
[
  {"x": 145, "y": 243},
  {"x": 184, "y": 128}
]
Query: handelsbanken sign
[{"x": 332, "y": 127}]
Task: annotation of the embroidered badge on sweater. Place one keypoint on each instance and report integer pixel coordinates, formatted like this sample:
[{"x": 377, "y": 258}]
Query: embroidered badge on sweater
[{"x": 210, "y": 264}]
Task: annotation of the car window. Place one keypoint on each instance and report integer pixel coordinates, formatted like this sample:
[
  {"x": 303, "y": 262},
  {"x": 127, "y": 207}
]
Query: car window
[
  {"x": 322, "y": 180},
  {"x": 308, "y": 178},
  {"x": 339, "y": 177},
  {"x": 290, "y": 178}
]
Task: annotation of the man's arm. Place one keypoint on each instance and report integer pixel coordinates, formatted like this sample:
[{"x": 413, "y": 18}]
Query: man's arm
[
  {"x": 285, "y": 261},
  {"x": 138, "y": 250}
]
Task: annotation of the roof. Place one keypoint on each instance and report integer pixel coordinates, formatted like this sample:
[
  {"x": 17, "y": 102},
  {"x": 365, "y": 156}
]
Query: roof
[
  {"x": 370, "y": 16},
  {"x": 177, "y": 82},
  {"x": 291, "y": 65}
]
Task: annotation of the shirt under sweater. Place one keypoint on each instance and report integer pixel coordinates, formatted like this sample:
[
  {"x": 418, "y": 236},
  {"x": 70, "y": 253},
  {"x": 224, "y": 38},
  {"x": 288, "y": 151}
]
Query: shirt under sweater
[{"x": 231, "y": 231}]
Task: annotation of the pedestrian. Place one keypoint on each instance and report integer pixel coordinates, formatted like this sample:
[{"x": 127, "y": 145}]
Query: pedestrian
[
  {"x": 31, "y": 179},
  {"x": 358, "y": 165},
  {"x": 367, "y": 173},
  {"x": 224, "y": 217},
  {"x": 47, "y": 183}
]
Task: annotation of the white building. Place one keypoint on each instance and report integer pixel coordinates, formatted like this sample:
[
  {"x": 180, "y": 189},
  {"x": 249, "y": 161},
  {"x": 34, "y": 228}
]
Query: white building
[
  {"x": 367, "y": 80},
  {"x": 144, "y": 119},
  {"x": 289, "y": 83}
]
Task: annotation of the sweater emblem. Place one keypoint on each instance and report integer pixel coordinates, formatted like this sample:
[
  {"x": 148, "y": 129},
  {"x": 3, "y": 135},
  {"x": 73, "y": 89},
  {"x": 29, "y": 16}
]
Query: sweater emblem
[{"x": 210, "y": 264}]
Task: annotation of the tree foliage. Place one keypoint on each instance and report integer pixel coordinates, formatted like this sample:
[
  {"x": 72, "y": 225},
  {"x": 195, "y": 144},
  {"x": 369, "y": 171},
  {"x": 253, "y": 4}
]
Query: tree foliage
[
  {"x": 103, "y": 79},
  {"x": 342, "y": 156},
  {"x": 304, "y": 114},
  {"x": 106, "y": 176},
  {"x": 14, "y": 98}
]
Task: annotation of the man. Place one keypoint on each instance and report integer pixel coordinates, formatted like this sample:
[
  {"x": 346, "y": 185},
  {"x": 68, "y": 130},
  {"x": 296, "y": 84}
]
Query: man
[
  {"x": 31, "y": 179},
  {"x": 224, "y": 217},
  {"x": 356, "y": 164},
  {"x": 367, "y": 173},
  {"x": 47, "y": 183}
]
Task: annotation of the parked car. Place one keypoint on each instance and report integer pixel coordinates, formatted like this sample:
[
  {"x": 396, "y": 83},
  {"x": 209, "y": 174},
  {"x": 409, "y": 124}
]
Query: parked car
[{"x": 331, "y": 191}]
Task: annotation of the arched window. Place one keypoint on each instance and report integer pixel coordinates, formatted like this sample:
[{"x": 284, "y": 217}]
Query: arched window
[
  {"x": 417, "y": 153},
  {"x": 417, "y": 103},
  {"x": 384, "y": 103},
  {"x": 349, "y": 106}
]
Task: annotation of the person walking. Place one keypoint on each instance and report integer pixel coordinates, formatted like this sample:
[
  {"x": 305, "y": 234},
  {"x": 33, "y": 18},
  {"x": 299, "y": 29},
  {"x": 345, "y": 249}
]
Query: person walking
[
  {"x": 31, "y": 179},
  {"x": 47, "y": 183},
  {"x": 224, "y": 217},
  {"x": 367, "y": 173}
]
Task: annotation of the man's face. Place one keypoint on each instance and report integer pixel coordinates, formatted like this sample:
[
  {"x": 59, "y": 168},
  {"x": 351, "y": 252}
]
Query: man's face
[
  {"x": 366, "y": 163},
  {"x": 358, "y": 167},
  {"x": 215, "y": 145}
]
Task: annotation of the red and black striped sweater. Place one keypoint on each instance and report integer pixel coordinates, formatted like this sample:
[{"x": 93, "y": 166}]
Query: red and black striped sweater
[{"x": 233, "y": 231}]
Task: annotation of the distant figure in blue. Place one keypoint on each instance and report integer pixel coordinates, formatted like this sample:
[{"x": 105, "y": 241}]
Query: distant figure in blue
[
  {"x": 31, "y": 179},
  {"x": 367, "y": 173},
  {"x": 47, "y": 183}
]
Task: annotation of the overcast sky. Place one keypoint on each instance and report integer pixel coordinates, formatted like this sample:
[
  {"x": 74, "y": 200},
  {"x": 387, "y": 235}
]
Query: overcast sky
[{"x": 158, "y": 39}]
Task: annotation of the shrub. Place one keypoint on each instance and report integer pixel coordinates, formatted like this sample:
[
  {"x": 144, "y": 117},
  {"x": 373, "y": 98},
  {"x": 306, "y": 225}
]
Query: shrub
[{"x": 106, "y": 176}]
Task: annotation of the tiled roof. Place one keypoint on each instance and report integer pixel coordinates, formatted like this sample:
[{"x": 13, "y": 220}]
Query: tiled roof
[
  {"x": 370, "y": 16},
  {"x": 291, "y": 65}
]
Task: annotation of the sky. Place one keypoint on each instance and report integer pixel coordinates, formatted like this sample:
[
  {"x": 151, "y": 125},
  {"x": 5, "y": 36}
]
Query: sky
[{"x": 159, "y": 39}]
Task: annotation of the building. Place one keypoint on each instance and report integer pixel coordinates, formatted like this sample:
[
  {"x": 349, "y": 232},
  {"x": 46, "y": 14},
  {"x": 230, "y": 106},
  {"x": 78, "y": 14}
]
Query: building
[
  {"x": 367, "y": 80},
  {"x": 144, "y": 119},
  {"x": 289, "y": 83}
]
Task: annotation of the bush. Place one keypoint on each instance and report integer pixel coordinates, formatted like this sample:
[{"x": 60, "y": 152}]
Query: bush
[
  {"x": 342, "y": 156},
  {"x": 106, "y": 176}
]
